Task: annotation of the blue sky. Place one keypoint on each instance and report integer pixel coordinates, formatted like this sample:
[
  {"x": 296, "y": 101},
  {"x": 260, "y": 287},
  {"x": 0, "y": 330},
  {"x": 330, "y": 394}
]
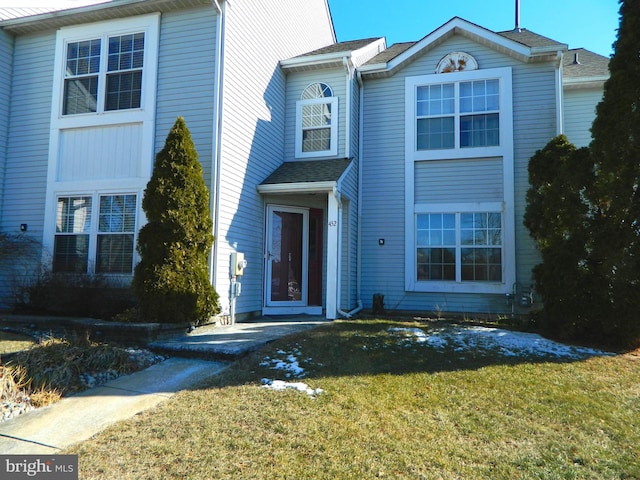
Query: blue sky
[{"x": 590, "y": 24}]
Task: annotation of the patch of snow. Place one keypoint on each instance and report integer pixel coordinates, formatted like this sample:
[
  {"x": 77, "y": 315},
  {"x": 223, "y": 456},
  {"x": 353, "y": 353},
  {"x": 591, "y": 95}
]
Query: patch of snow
[
  {"x": 506, "y": 342},
  {"x": 289, "y": 364},
  {"x": 280, "y": 385}
]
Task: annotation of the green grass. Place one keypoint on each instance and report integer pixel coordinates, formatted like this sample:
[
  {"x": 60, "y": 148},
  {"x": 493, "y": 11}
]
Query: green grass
[
  {"x": 389, "y": 410},
  {"x": 14, "y": 342}
]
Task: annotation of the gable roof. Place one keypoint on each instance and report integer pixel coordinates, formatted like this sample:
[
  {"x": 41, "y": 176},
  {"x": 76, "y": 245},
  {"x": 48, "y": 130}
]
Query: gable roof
[
  {"x": 333, "y": 56},
  {"x": 521, "y": 44},
  {"x": 310, "y": 175}
]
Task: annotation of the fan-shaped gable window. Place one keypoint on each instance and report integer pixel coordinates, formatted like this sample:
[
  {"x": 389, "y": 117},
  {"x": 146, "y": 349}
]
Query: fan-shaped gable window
[{"x": 316, "y": 122}]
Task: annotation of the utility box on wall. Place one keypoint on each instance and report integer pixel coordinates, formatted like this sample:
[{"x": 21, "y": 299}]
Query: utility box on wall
[{"x": 238, "y": 264}]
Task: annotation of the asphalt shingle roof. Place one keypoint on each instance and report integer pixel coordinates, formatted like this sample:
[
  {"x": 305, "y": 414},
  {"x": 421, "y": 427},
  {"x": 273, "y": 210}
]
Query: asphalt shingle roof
[
  {"x": 340, "y": 47},
  {"x": 529, "y": 39},
  {"x": 308, "y": 171},
  {"x": 588, "y": 64}
]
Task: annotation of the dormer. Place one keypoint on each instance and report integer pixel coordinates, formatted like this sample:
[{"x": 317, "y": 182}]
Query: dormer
[{"x": 321, "y": 88}]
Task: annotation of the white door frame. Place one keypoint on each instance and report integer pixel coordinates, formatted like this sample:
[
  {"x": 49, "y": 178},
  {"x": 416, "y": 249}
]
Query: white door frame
[{"x": 284, "y": 307}]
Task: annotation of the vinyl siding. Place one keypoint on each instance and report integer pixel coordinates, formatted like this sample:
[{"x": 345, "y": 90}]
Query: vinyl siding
[
  {"x": 296, "y": 84},
  {"x": 27, "y": 148},
  {"x": 257, "y": 36},
  {"x": 383, "y": 178},
  {"x": 26, "y": 167},
  {"x": 186, "y": 71},
  {"x": 459, "y": 181},
  {"x": 6, "y": 68},
  {"x": 579, "y": 112}
]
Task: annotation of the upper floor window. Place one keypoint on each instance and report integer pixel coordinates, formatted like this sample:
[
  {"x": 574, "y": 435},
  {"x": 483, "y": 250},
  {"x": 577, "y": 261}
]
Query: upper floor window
[
  {"x": 458, "y": 115},
  {"x": 463, "y": 114},
  {"x": 316, "y": 122},
  {"x": 103, "y": 74}
]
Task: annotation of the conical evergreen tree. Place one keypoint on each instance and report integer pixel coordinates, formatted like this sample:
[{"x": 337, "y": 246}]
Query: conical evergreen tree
[
  {"x": 615, "y": 195},
  {"x": 171, "y": 281}
]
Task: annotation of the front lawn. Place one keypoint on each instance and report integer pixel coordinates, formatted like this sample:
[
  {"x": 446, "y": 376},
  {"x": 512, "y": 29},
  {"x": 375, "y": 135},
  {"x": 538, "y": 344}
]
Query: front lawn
[{"x": 382, "y": 399}]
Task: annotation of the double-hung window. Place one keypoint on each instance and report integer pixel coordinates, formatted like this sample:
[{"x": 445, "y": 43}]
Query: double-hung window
[
  {"x": 86, "y": 242},
  {"x": 458, "y": 115},
  {"x": 459, "y": 247},
  {"x": 317, "y": 122},
  {"x": 103, "y": 73}
]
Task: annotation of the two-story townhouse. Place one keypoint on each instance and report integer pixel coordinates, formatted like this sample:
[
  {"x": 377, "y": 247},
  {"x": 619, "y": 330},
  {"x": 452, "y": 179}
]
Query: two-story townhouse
[
  {"x": 449, "y": 124},
  {"x": 341, "y": 170},
  {"x": 89, "y": 95}
]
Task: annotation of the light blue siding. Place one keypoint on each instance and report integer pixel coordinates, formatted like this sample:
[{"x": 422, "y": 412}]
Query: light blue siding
[
  {"x": 6, "y": 68},
  {"x": 26, "y": 153},
  {"x": 534, "y": 112},
  {"x": 296, "y": 83},
  {"x": 28, "y": 145},
  {"x": 186, "y": 71},
  {"x": 579, "y": 112},
  {"x": 258, "y": 36}
]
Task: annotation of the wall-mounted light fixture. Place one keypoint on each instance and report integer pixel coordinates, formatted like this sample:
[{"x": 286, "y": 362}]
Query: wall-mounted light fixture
[
  {"x": 23, "y": 227},
  {"x": 381, "y": 241}
]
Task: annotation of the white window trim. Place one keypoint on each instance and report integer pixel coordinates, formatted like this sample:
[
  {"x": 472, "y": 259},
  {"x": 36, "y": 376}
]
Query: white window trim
[
  {"x": 506, "y": 120},
  {"x": 93, "y": 232},
  {"x": 508, "y": 251},
  {"x": 333, "y": 151},
  {"x": 145, "y": 115},
  {"x": 150, "y": 25},
  {"x": 505, "y": 150}
]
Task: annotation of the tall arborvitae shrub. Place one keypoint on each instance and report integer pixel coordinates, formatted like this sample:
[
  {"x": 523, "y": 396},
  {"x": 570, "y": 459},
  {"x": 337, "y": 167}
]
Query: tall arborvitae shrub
[
  {"x": 584, "y": 211},
  {"x": 171, "y": 282},
  {"x": 615, "y": 193},
  {"x": 557, "y": 216}
]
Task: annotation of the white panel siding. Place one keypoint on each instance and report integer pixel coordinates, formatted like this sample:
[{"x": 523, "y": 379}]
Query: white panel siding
[
  {"x": 579, "y": 112},
  {"x": 383, "y": 159},
  {"x": 103, "y": 153},
  {"x": 459, "y": 181},
  {"x": 258, "y": 35}
]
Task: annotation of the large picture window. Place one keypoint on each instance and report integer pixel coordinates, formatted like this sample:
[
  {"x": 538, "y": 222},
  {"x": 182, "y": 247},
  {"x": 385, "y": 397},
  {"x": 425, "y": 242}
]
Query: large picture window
[
  {"x": 103, "y": 74},
  {"x": 459, "y": 247},
  {"x": 88, "y": 243}
]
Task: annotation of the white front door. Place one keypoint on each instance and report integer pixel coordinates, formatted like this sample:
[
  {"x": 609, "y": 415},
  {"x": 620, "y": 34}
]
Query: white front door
[{"x": 287, "y": 252}]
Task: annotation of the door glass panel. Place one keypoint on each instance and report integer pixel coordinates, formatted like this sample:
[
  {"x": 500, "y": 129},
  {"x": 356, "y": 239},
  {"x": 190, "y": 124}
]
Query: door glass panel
[{"x": 286, "y": 256}]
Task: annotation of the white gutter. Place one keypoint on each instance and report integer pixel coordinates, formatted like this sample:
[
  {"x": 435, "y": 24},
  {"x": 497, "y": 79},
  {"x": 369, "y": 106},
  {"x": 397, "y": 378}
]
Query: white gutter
[
  {"x": 299, "y": 187},
  {"x": 559, "y": 95},
  {"x": 358, "y": 241},
  {"x": 348, "y": 89},
  {"x": 217, "y": 140}
]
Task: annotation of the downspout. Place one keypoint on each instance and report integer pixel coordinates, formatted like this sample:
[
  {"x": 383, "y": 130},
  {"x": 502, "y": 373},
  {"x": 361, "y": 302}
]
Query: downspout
[
  {"x": 216, "y": 156},
  {"x": 349, "y": 90},
  {"x": 559, "y": 95}
]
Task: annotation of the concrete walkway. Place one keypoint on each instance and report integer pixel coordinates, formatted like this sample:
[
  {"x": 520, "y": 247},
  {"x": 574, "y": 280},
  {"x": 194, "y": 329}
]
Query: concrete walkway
[{"x": 74, "y": 419}]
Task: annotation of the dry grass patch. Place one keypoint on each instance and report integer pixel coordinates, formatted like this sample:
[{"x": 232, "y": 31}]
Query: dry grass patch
[{"x": 390, "y": 409}]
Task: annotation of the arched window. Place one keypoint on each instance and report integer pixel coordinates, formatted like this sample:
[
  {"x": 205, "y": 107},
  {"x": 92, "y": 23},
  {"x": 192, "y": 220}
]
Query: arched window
[
  {"x": 316, "y": 90},
  {"x": 316, "y": 129}
]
